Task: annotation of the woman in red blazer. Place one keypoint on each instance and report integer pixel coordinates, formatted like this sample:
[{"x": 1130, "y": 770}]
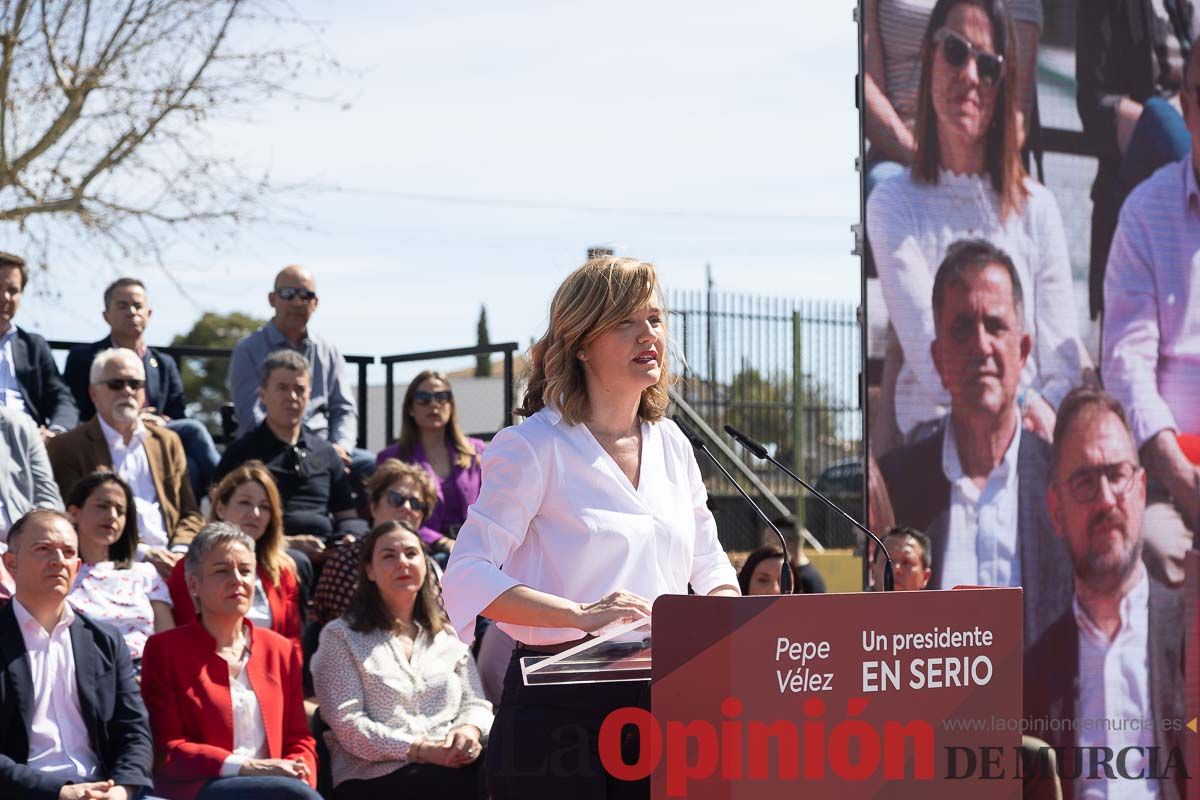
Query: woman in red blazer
[
  {"x": 225, "y": 697},
  {"x": 247, "y": 497}
]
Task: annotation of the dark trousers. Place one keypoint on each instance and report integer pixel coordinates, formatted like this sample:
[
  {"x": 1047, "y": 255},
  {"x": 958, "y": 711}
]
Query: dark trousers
[
  {"x": 544, "y": 740},
  {"x": 250, "y": 788},
  {"x": 419, "y": 781}
]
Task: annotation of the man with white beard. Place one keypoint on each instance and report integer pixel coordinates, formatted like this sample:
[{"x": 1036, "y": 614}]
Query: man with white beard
[{"x": 150, "y": 458}]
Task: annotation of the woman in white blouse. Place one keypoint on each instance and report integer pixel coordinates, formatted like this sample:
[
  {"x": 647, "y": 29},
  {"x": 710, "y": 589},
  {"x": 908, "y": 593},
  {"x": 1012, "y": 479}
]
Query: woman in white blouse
[
  {"x": 397, "y": 688},
  {"x": 589, "y": 510},
  {"x": 111, "y": 586},
  {"x": 967, "y": 181}
]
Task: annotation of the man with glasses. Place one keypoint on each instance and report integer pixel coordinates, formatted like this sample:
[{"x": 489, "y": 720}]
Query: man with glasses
[
  {"x": 331, "y": 413},
  {"x": 127, "y": 312},
  {"x": 976, "y": 486},
  {"x": 1123, "y": 635},
  {"x": 318, "y": 506},
  {"x": 149, "y": 458},
  {"x": 1151, "y": 343}
]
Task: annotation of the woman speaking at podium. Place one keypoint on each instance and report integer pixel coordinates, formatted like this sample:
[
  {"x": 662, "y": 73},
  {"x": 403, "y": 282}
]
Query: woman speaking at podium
[{"x": 588, "y": 511}]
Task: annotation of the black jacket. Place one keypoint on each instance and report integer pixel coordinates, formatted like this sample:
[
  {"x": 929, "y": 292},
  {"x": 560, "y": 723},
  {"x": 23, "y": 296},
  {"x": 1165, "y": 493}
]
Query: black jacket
[
  {"x": 164, "y": 386},
  {"x": 109, "y": 699},
  {"x": 40, "y": 382}
]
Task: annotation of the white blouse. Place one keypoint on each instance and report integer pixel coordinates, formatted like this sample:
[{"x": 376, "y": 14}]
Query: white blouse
[
  {"x": 911, "y": 226},
  {"x": 249, "y": 730},
  {"x": 555, "y": 513}
]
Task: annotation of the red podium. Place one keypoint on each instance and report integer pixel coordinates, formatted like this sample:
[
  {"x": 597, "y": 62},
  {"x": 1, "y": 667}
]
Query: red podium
[{"x": 899, "y": 695}]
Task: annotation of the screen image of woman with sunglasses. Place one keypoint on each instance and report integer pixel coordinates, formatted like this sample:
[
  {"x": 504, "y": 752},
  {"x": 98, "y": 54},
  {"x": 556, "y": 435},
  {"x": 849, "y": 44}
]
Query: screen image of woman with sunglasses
[
  {"x": 397, "y": 492},
  {"x": 431, "y": 438},
  {"x": 967, "y": 181}
]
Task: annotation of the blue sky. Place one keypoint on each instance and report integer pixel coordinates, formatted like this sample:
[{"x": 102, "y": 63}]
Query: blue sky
[{"x": 482, "y": 147}]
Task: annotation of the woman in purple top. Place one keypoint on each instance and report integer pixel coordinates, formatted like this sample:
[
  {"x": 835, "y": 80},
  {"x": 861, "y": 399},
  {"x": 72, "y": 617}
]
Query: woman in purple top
[{"x": 431, "y": 438}]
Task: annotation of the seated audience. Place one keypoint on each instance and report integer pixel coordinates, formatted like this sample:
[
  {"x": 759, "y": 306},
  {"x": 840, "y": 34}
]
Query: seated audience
[
  {"x": 395, "y": 731},
  {"x": 1123, "y": 637},
  {"x": 431, "y": 438},
  {"x": 908, "y": 549},
  {"x": 225, "y": 696},
  {"x": 331, "y": 412},
  {"x": 892, "y": 43},
  {"x": 761, "y": 572},
  {"x": 29, "y": 379},
  {"x": 247, "y": 498},
  {"x": 127, "y": 311},
  {"x": 1151, "y": 358},
  {"x": 312, "y": 484},
  {"x": 111, "y": 587},
  {"x": 26, "y": 478},
  {"x": 72, "y": 723},
  {"x": 967, "y": 180},
  {"x": 149, "y": 458},
  {"x": 977, "y": 485},
  {"x": 1130, "y": 60},
  {"x": 397, "y": 492}
]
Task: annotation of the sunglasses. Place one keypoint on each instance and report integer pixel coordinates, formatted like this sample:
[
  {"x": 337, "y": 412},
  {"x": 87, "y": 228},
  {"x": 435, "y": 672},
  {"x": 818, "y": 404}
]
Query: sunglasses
[
  {"x": 1084, "y": 483},
  {"x": 956, "y": 50},
  {"x": 289, "y": 293},
  {"x": 423, "y": 398},
  {"x": 397, "y": 500},
  {"x": 117, "y": 384}
]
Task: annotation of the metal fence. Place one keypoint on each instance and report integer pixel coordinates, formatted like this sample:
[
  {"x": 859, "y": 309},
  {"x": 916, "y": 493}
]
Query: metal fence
[{"x": 787, "y": 373}]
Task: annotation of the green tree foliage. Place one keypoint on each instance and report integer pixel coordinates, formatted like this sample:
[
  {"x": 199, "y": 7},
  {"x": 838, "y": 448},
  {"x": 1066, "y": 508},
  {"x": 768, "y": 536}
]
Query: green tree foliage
[
  {"x": 763, "y": 406},
  {"x": 204, "y": 378},
  {"x": 483, "y": 361}
]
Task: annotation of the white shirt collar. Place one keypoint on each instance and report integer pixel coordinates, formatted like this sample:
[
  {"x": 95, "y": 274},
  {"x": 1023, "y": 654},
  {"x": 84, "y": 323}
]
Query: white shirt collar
[
  {"x": 1134, "y": 606},
  {"x": 27, "y": 622},
  {"x": 115, "y": 438},
  {"x": 7, "y": 336},
  {"x": 952, "y": 464}
]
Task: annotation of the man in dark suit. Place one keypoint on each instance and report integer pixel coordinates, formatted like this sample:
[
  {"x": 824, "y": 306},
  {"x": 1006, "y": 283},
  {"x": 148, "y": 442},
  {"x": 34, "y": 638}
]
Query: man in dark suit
[
  {"x": 977, "y": 486},
  {"x": 29, "y": 378},
  {"x": 72, "y": 723},
  {"x": 127, "y": 312},
  {"x": 1114, "y": 661}
]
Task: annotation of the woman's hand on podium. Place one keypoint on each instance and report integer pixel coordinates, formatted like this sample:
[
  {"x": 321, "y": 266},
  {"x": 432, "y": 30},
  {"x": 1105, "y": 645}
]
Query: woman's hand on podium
[{"x": 620, "y": 606}]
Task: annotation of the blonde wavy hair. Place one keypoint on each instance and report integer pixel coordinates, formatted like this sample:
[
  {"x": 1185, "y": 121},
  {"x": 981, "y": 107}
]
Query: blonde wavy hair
[{"x": 593, "y": 300}]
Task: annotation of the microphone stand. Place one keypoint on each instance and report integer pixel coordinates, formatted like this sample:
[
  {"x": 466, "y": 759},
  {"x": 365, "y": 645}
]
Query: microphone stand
[
  {"x": 757, "y": 450},
  {"x": 785, "y": 572}
]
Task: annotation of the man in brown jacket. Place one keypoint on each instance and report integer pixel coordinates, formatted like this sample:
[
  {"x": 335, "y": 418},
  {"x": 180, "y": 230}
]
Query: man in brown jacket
[{"x": 149, "y": 458}]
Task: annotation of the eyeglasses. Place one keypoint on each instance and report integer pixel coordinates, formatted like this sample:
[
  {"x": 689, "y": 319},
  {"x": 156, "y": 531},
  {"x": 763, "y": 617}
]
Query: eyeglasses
[
  {"x": 289, "y": 293},
  {"x": 1084, "y": 483},
  {"x": 117, "y": 384},
  {"x": 398, "y": 500},
  {"x": 956, "y": 50},
  {"x": 423, "y": 398}
]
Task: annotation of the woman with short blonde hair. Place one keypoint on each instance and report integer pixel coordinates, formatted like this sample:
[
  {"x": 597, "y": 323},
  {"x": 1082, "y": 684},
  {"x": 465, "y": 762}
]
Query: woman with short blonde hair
[{"x": 589, "y": 510}]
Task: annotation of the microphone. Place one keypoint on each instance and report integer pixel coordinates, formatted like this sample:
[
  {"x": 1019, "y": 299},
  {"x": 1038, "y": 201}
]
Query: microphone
[
  {"x": 785, "y": 572},
  {"x": 758, "y": 451}
]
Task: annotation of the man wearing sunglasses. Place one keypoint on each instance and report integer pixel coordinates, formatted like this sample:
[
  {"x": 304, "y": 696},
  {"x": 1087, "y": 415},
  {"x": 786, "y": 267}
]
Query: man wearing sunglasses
[
  {"x": 149, "y": 458},
  {"x": 127, "y": 312},
  {"x": 332, "y": 413},
  {"x": 1123, "y": 635}
]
